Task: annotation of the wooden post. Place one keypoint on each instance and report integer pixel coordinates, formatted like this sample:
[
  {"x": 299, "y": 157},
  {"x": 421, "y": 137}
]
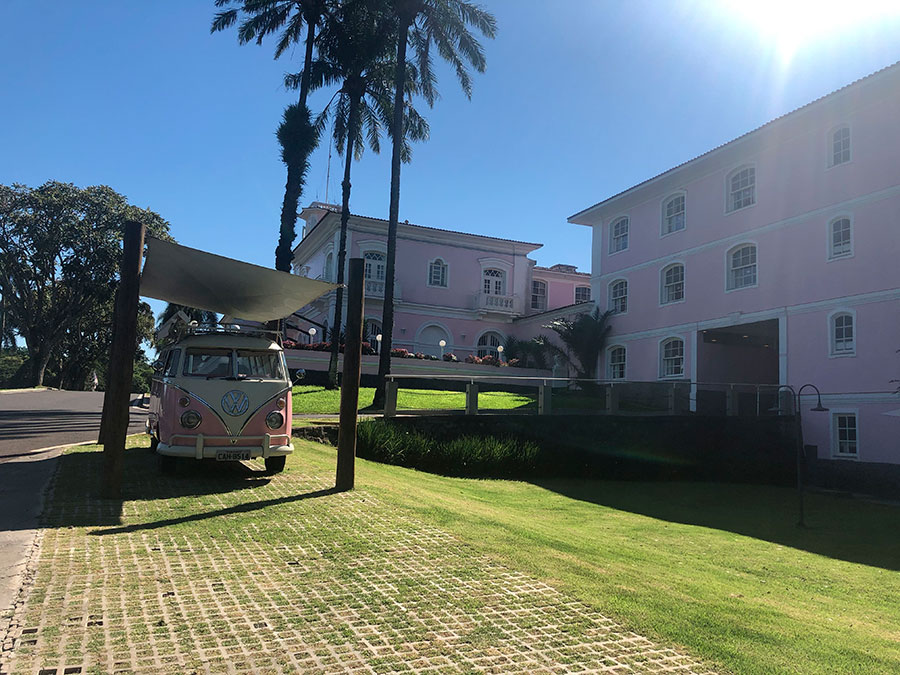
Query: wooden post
[
  {"x": 346, "y": 453},
  {"x": 545, "y": 405},
  {"x": 390, "y": 398},
  {"x": 472, "y": 398},
  {"x": 114, "y": 425}
]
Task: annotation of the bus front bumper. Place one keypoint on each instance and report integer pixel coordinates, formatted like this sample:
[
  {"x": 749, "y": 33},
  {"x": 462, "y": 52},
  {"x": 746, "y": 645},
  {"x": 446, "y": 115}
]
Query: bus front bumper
[{"x": 245, "y": 447}]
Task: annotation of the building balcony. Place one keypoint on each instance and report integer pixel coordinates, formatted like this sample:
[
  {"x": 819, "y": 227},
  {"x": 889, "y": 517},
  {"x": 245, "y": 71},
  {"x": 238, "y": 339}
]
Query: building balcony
[
  {"x": 375, "y": 289},
  {"x": 502, "y": 304}
]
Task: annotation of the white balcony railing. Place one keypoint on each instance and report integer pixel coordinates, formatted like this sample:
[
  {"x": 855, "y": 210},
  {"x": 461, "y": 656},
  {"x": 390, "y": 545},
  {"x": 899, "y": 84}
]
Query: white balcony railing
[
  {"x": 496, "y": 303},
  {"x": 375, "y": 288}
]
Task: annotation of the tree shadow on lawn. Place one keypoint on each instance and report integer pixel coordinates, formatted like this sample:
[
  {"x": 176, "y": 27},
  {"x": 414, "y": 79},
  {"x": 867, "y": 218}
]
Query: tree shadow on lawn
[
  {"x": 837, "y": 526},
  {"x": 75, "y": 500}
]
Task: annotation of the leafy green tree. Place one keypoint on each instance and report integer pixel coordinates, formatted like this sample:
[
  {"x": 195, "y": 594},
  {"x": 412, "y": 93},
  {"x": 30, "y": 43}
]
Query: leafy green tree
[
  {"x": 192, "y": 313},
  {"x": 423, "y": 23},
  {"x": 355, "y": 52},
  {"x": 583, "y": 339},
  {"x": 60, "y": 247},
  {"x": 294, "y": 21}
]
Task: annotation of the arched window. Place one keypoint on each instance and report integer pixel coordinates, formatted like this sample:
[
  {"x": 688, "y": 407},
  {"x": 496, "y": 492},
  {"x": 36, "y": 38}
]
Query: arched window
[
  {"x": 374, "y": 265},
  {"x": 494, "y": 281},
  {"x": 742, "y": 267},
  {"x": 672, "y": 284},
  {"x": 582, "y": 294},
  {"x": 843, "y": 335},
  {"x": 840, "y": 241},
  {"x": 437, "y": 273},
  {"x": 671, "y": 358},
  {"x": 840, "y": 145},
  {"x": 618, "y": 235},
  {"x": 371, "y": 331},
  {"x": 741, "y": 188},
  {"x": 488, "y": 343},
  {"x": 538, "y": 295},
  {"x": 329, "y": 267},
  {"x": 673, "y": 214},
  {"x": 615, "y": 363},
  {"x": 618, "y": 296}
]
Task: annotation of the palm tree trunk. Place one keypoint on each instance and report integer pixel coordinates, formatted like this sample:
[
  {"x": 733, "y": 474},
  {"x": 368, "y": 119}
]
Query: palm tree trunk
[
  {"x": 293, "y": 188},
  {"x": 387, "y": 318},
  {"x": 342, "y": 248}
]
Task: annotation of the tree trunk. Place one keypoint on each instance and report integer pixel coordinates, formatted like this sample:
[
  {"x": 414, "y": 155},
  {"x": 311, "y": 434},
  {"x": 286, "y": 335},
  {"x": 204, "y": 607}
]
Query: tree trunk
[
  {"x": 387, "y": 318},
  {"x": 293, "y": 188},
  {"x": 39, "y": 360},
  {"x": 342, "y": 249}
]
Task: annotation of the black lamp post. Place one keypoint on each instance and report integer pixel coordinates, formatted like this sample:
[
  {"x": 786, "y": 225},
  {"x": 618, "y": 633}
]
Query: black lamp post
[{"x": 818, "y": 408}]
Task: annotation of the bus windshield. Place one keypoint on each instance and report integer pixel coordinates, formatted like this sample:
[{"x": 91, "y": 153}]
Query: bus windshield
[
  {"x": 265, "y": 365},
  {"x": 207, "y": 362}
]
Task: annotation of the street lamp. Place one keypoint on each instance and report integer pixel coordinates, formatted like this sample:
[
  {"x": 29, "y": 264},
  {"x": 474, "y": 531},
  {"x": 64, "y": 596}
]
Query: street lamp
[
  {"x": 500, "y": 353},
  {"x": 442, "y": 343},
  {"x": 312, "y": 334},
  {"x": 799, "y": 433},
  {"x": 378, "y": 343}
]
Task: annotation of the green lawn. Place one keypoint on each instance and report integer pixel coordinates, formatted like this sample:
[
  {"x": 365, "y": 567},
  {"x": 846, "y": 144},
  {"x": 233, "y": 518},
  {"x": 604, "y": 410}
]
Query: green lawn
[
  {"x": 720, "y": 569},
  {"x": 309, "y": 399}
]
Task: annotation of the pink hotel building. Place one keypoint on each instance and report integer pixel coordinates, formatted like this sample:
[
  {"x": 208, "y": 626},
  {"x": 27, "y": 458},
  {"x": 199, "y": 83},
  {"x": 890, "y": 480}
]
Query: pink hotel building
[
  {"x": 467, "y": 290},
  {"x": 770, "y": 260}
]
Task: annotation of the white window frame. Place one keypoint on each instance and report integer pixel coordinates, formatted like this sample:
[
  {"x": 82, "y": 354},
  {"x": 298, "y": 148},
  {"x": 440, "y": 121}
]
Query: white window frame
[
  {"x": 729, "y": 288},
  {"x": 613, "y": 237},
  {"x": 446, "y": 273},
  {"x": 831, "y": 143},
  {"x": 589, "y": 298},
  {"x": 544, "y": 295},
  {"x": 835, "y": 414},
  {"x": 663, "y": 286},
  {"x": 609, "y": 364},
  {"x": 611, "y": 299},
  {"x": 833, "y": 352},
  {"x": 492, "y": 349},
  {"x": 829, "y": 242},
  {"x": 328, "y": 274},
  {"x": 662, "y": 358},
  {"x": 501, "y": 276},
  {"x": 729, "y": 202},
  {"x": 664, "y": 218},
  {"x": 367, "y": 267}
]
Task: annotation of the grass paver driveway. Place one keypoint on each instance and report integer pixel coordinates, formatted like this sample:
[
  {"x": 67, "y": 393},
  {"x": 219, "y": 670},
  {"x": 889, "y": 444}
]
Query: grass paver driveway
[{"x": 223, "y": 569}]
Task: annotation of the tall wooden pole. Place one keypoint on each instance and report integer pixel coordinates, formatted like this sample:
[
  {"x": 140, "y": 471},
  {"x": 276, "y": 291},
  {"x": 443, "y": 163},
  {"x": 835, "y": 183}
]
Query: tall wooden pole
[
  {"x": 114, "y": 426},
  {"x": 346, "y": 453}
]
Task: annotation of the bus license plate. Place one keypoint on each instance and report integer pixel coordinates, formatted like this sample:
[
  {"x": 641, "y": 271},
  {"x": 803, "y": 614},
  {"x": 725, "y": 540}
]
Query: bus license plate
[{"x": 232, "y": 455}]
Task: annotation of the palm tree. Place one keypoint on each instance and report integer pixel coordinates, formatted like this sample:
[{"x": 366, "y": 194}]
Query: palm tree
[
  {"x": 445, "y": 24},
  {"x": 355, "y": 51},
  {"x": 583, "y": 339},
  {"x": 296, "y": 134}
]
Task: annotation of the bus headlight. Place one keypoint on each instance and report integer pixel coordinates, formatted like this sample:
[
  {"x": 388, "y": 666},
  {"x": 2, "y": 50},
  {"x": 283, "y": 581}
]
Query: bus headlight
[
  {"x": 191, "y": 419},
  {"x": 274, "y": 420}
]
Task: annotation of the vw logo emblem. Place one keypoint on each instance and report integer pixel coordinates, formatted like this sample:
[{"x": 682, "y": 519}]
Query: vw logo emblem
[{"x": 235, "y": 402}]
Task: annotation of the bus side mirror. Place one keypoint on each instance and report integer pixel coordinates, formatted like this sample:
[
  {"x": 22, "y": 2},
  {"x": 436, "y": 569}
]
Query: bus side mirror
[
  {"x": 299, "y": 374},
  {"x": 158, "y": 366}
]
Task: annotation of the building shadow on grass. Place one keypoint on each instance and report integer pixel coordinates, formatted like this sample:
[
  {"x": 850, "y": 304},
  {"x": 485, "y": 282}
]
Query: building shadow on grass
[
  {"x": 75, "y": 499},
  {"x": 838, "y": 526}
]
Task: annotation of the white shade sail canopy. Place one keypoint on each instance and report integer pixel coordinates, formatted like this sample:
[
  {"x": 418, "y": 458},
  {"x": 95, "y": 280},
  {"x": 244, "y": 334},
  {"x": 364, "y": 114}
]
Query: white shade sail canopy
[{"x": 203, "y": 280}]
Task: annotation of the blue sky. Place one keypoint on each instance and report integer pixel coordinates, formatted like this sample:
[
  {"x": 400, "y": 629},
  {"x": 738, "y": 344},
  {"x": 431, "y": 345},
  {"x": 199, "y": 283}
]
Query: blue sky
[{"x": 581, "y": 99}]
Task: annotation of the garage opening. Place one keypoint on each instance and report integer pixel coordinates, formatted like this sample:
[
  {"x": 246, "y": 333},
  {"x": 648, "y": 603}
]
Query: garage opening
[{"x": 731, "y": 364}]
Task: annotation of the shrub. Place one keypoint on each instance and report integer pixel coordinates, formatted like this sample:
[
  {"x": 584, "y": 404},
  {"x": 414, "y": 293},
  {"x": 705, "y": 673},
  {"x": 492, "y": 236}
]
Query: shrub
[
  {"x": 399, "y": 352},
  {"x": 472, "y": 456},
  {"x": 450, "y": 357}
]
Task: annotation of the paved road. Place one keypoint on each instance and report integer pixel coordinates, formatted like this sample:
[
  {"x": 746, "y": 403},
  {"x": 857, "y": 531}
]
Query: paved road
[{"x": 32, "y": 426}]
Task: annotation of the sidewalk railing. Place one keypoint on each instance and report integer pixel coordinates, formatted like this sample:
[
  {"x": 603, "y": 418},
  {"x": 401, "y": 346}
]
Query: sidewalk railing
[{"x": 613, "y": 397}]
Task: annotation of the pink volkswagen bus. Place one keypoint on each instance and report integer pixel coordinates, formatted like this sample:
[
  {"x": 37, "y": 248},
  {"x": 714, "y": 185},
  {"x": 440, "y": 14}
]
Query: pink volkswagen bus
[{"x": 221, "y": 395}]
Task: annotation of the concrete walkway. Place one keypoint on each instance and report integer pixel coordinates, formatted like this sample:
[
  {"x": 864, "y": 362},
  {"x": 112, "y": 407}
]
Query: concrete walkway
[{"x": 226, "y": 570}]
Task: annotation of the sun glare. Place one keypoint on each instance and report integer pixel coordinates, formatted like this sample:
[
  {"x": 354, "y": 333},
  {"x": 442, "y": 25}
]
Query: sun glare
[{"x": 794, "y": 24}]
